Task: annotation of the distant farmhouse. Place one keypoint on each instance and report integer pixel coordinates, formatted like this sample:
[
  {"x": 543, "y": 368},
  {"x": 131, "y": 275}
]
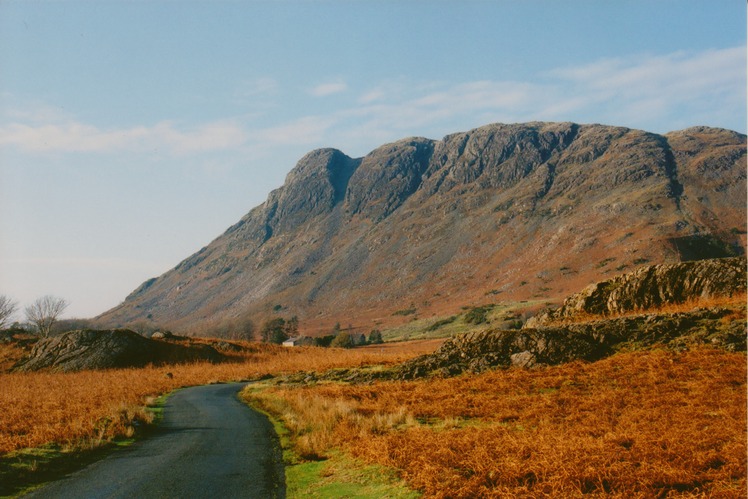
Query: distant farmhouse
[{"x": 299, "y": 341}]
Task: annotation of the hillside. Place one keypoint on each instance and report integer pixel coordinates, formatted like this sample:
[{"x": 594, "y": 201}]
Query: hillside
[{"x": 527, "y": 211}]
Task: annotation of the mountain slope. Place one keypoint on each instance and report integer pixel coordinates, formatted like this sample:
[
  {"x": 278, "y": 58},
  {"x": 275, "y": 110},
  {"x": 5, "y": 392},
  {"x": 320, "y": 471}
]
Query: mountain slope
[{"x": 527, "y": 211}]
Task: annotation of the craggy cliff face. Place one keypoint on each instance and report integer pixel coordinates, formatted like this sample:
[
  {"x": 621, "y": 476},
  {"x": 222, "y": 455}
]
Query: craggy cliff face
[{"x": 528, "y": 211}]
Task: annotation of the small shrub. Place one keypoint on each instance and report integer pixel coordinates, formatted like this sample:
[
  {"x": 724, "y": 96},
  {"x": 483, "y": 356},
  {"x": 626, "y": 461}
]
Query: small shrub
[
  {"x": 477, "y": 315},
  {"x": 443, "y": 322},
  {"x": 342, "y": 340}
]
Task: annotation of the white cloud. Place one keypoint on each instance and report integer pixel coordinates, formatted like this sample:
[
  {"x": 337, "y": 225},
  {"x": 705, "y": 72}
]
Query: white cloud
[
  {"x": 258, "y": 92},
  {"x": 73, "y": 136},
  {"x": 372, "y": 96},
  {"x": 306, "y": 130},
  {"x": 649, "y": 89},
  {"x": 657, "y": 93},
  {"x": 330, "y": 88}
]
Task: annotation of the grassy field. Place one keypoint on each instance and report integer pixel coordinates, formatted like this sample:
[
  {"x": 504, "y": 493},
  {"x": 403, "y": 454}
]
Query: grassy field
[
  {"x": 639, "y": 424},
  {"x": 497, "y": 316}
]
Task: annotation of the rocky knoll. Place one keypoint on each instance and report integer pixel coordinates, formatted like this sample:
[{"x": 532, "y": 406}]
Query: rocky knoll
[
  {"x": 542, "y": 342},
  {"x": 521, "y": 211},
  {"x": 589, "y": 341},
  {"x": 651, "y": 287},
  {"x": 90, "y": 349}
]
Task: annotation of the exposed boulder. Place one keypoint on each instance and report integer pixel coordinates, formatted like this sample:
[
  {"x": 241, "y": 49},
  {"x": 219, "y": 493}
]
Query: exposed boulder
[{"x": 90, "y": 349}]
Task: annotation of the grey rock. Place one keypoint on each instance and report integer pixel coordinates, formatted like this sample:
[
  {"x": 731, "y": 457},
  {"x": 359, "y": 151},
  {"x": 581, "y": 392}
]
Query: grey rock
[{"x": 523, "y": 359}]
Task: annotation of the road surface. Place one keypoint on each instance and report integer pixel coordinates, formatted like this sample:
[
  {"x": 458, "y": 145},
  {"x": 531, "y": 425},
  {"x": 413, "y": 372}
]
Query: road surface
[{"x": 209, "y": 444}]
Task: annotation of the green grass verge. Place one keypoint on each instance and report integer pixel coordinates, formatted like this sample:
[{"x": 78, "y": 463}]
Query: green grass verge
[
  {"x": 339, "y": 475},
  {"x": 343, "y": 476}
]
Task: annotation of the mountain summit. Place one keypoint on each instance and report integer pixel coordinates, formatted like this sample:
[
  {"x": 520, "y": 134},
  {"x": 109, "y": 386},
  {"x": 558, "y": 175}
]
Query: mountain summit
[{"x": 526, "y": 211}]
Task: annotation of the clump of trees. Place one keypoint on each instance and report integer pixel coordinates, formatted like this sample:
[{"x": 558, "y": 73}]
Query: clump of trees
[
  {"x": 375, "y": 337},
  {"x": 41, "y": 316},
  {"x": 278, "y": 330},
  {"x": 235, "y": 328},
  {"x": 350, "y": 340}
]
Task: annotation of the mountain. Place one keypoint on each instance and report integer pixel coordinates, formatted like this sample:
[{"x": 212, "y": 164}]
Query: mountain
[{"x": 421, "y": 227}]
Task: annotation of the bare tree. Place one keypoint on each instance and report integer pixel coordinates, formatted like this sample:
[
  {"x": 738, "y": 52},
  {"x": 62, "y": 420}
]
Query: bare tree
[
  {"x": 7, "y": 308},
  {"x": 44, "y": 312}
]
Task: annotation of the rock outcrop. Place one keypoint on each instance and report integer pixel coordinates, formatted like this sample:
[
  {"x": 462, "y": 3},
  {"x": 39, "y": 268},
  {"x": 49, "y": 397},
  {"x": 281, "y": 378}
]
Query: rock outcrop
[
  {"x": 525, "y": 211},
  {"x": 89, "y": 349},
  {"x": 589, "y": 341},
  {"x": 651, "y": 287},
  {"x": 569, "y": 333}
]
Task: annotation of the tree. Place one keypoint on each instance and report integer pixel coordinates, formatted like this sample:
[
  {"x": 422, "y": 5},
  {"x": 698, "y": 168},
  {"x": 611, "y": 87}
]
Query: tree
[
  {"x": 244, "y": 329},
  {"x": 274, "y": 331},
  {"x": 292, "y": 327},
  {"x": 44, "y": 312},
  {"x": 375, "y": 337},
  {"x": 342, "y": 340},
  {"x": 323, "y": 341},
  {"x": 7, "y": 308}
]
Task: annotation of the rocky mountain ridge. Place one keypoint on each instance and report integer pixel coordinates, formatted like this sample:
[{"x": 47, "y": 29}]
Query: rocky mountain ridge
[{"x": 526, "y": 211}]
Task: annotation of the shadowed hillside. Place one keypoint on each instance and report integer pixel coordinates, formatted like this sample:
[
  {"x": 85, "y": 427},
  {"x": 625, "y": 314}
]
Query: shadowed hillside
[{"x": 527, "y": 211}]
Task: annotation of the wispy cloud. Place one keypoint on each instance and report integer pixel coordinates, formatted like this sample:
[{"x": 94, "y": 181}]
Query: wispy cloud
[
  {"x": 306, "y": 130},
  {"x": 652, "y": 88},
  {"x": 259, "y": 91},
  {"x": 330, "y": 88},
  {"x": 73, "y": 136},
  {"x": 657, "y": 93}
]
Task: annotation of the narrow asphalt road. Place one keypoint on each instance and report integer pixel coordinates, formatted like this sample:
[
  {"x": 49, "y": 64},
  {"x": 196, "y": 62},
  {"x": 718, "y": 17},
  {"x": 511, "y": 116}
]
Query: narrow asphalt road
[{"x": 209, "y": 444}]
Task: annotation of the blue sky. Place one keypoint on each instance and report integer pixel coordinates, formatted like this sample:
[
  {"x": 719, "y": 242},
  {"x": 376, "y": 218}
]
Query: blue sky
[{"x": 133, "y": 133}]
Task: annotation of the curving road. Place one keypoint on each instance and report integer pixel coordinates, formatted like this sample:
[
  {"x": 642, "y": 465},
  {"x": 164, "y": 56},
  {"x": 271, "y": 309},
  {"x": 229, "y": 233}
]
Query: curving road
[{"x": 209, "y": 444}]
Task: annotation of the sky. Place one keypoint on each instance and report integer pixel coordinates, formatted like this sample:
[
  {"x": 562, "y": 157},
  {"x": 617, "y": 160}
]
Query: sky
[{"x": 133, "y": 133}]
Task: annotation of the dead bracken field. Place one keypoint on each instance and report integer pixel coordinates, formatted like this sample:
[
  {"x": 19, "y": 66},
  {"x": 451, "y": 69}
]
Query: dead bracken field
[
  {"x": 638, "y": 424},
  {"x": 90, "y": 407}
]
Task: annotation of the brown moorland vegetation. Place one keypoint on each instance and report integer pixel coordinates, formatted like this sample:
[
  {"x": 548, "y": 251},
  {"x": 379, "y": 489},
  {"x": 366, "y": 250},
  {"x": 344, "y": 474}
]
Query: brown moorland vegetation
[
  {"x": 638, "y": 424},
  {"x": 88, "y": 408}
]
